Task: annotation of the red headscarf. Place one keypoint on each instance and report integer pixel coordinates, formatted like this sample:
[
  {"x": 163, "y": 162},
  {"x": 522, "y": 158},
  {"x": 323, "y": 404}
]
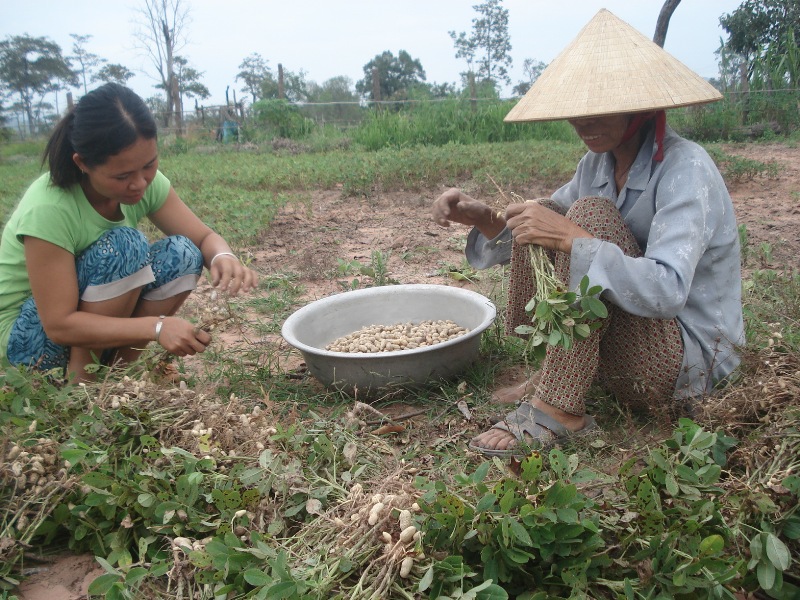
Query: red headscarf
[{"x": 640, "y": 119}]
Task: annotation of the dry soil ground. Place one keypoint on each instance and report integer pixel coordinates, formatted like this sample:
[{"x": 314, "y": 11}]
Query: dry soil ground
[{"x": 310, "y": 239}]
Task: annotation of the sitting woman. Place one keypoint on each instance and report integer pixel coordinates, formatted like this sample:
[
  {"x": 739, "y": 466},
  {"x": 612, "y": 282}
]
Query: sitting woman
[
  {"x": 646, "y": 216},
  {"x": 78, "y": 282}
]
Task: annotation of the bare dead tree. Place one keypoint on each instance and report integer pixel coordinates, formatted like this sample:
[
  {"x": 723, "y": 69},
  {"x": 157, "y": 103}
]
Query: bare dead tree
[
  {"x": 161, "y": 36},
  {"x": 663, "y": 21}
]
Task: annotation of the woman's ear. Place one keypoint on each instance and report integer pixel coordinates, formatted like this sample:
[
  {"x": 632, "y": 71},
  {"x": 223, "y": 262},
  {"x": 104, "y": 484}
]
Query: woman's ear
[{"x": 76, "y": 158}]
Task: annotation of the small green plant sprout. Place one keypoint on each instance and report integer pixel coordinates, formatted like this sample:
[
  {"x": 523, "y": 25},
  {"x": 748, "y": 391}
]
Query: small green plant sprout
[{"x": 377, "y": 270}]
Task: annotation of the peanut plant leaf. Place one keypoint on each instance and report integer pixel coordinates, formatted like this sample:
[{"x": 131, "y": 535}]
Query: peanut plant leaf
[
  {"x": 582, "y": 330},
  {"x": 777, "y": 552},
  {"x": 597, "y": 307},
  {"x": 711, "y": 545}
]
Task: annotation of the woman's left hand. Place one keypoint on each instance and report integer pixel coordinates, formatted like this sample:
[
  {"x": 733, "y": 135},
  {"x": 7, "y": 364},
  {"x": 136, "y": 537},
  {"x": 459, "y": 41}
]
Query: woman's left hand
[
  {"x": 532, "y": 223},
  {"x": 230, "y": 275}
]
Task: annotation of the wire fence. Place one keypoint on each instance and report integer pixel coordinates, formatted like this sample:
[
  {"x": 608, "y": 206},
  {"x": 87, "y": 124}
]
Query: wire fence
[
  {"x": 226, "y": 123},
  {"x": 217, "y": 121}
]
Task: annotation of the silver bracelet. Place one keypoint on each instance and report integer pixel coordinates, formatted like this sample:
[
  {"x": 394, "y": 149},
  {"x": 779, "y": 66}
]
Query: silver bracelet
[
  {"x": 159, "y": 325},
  {"x": 216, "y": 256}
]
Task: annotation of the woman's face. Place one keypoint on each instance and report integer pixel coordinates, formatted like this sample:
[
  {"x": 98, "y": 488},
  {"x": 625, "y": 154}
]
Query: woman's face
[
  {"x": 601, "y": 134},
  {"x": 124, "y": 177}
]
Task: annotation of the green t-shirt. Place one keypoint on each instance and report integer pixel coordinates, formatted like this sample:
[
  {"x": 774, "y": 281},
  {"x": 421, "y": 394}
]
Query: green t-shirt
[{"x": 64, "y": 218}]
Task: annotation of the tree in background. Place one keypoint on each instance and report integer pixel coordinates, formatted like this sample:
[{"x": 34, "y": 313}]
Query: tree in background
[
  {"x": 396, "y": 75},
  {"x": 253, "y": 70},
  {"x": 488, "y": 45},
  {"x": 157, "y": 105},
  {"x": 83, "y": 57},
  {"x": 336, "y": 100},
  {"x": 189, "y": 84},
  {"x": 161, "y": 35},
  {"x": 30, "y": 68},
  {"x": 442, "y": 90},
  {"x": 295, "y": 87},
  {"x": 531, "y": 69},
  {"x": 113, "y": 73},
  {"x": 766, "y": 32},
  {"x": 662, "y": 23}
]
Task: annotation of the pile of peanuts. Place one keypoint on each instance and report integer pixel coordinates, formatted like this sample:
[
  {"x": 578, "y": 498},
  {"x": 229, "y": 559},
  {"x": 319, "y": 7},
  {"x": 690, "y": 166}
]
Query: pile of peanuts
[{"x": 403, "y": 336}]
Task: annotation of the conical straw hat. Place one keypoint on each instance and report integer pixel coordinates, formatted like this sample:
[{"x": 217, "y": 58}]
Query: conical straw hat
[{"x": 611, "y": 68}]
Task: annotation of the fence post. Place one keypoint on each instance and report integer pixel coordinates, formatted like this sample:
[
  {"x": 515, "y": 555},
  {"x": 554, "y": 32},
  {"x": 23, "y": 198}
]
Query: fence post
[
  {"x": 473, "y": 96},
  {"x": 745, "y": 83},
  {"x": 376, "y": 87}
]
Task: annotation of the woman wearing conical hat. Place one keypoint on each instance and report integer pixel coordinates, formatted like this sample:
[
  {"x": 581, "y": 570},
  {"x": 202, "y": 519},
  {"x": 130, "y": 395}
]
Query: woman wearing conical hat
[{"x": 646, "y": 216}]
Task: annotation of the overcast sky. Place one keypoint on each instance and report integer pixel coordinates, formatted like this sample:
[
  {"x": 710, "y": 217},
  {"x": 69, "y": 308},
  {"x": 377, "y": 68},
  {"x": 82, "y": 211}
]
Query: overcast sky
[{"x": 329, "y": 38}]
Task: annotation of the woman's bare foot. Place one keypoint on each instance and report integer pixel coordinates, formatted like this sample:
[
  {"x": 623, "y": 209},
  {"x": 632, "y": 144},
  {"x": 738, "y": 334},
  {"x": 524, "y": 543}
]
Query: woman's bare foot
[
  {"x": 512, "y": 394},
  {"x": 499, "y": 439}
]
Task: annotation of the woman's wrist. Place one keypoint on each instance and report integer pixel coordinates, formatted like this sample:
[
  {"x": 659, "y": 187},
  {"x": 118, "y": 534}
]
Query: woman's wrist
[
  {"x": 221, "y": 254},
  {"x": 492, "y": 224},
  {"x": 159, "y": 326}
]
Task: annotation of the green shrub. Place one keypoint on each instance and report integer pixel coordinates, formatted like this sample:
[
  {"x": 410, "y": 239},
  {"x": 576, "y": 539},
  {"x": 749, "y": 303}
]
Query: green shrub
[{"x": 281, "y": 119}]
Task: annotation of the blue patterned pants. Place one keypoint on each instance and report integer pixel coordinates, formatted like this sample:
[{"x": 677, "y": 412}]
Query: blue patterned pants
[{"x": 119, "y": 261}]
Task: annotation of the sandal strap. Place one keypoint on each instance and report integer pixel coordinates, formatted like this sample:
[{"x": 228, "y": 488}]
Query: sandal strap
[{"x": 529, "y": 419}]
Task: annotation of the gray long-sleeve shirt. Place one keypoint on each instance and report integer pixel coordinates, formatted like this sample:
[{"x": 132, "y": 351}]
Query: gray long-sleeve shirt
[{"x": 681, "y": 214}]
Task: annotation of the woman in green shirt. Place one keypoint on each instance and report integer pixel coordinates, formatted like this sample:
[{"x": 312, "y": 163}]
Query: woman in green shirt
[{"x": 78, "y": 281}]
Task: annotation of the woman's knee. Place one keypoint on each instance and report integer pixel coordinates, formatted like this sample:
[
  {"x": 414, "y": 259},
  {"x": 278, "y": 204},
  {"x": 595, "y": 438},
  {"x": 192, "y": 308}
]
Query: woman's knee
[
  {"x": 175, "y": 256},
  {"x": 602, "y": 219},
  {"x": 177, "y": 264},
  {"x": 118, "y": 253}
]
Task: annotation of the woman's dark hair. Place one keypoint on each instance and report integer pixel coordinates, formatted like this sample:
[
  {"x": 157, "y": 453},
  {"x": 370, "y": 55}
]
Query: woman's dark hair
[{"x": 103, "y": 123}]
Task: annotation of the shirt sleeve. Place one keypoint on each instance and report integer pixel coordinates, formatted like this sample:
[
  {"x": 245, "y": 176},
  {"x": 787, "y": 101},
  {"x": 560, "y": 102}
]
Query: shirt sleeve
[
  {"x": 657, "y": 285},
  {"x": 51, "y": 223},
  {"x": 483, "y": 253}
]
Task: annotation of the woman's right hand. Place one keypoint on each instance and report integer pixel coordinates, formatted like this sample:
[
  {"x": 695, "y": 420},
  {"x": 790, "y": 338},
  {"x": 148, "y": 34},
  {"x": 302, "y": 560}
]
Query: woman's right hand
[
  {"x": 456, "y": 206},
  {"x": 182, "y": 338}
]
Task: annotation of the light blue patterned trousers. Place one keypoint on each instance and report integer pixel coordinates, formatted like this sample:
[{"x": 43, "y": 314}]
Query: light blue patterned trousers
[{"x": 120, "y": 260}]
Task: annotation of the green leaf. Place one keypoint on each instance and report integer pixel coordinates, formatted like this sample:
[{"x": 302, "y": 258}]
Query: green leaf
[
  {"x": 257, "y": 577},
  {"x": 791, "y": 528},
  {"x": 531, "y": 468},
  {"x": 117, "y": 593},
  {"x": 792, "y": 483},
  {"x": 597, "y": 307},
  {"x": 711, "y": 545},
  {"x": 766, "y": 575},
  {"x": 282, "y": 590},
  {"x": 146, "y": 500},
  {"x": 481, "y": 472},
  {"x": 543, "y": 311},
  {"x": 671, "y": 484},
  {"x": 74, "y": 455},
  {"x": 584, "y": 285},
  {"x": 102, "y": 584},
  {"x": 520, "y": 532},
  {"x": 97, "y": 479},
  {"x": 507, "y": 501},
  {"x": 485, "y": 503},
  {"x": 492, "y": 592},
  {"x": 582, "y": 330},
  {"x": 135, "y": 575},
  {"x": 777, "y": 552},
  {"x": 426, "y": 580}
]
